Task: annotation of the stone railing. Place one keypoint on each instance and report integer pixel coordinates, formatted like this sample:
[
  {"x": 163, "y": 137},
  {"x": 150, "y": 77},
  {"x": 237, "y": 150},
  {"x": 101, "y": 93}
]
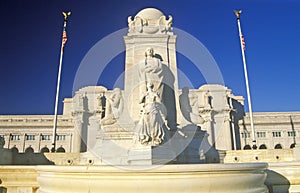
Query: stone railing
[
  {"x": 283, "y": 173},
  {"x": 261, "y": 155},
  {"x": 17, "y": 179}
]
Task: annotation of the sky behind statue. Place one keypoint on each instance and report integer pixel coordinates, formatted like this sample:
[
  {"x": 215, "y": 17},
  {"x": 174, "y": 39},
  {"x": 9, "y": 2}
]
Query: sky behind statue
[{"x": 31, "y": 31}]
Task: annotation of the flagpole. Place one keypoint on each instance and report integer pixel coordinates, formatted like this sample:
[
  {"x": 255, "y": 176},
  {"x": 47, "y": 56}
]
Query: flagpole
[
  {"x": 237, "y": 13},
  {"x": 64, "y": 39}
]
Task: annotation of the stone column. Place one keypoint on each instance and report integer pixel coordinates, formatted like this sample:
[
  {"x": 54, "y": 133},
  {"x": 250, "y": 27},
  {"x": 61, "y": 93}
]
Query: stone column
[
  {"x": 39, "y": 141},
  {"x": 7, "y": 140},
  {"x": 24, "y": 142},
  {"x": 77, "y": 135},
  {"x": 223, "y": 130},
  {"x": 208, "y": 127},
  {"x": 93, "y": 129},
  {"x": 227, "y": 132}
]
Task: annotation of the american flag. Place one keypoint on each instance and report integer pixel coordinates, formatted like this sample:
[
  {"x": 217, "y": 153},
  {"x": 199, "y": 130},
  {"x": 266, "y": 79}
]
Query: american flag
[
  {"x": 64, "y": 39},
  {"x": 243, "y": 42}
]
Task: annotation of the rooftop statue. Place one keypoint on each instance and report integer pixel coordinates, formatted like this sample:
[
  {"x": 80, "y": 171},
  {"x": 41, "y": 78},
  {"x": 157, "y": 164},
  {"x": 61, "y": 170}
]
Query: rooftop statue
[
  {"x": 150, "y": 21},
  {"x": 113, "y": 107}
]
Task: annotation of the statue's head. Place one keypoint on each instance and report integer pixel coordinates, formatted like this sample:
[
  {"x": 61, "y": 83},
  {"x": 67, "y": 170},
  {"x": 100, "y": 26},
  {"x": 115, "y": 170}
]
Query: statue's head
[
  {"x": 149, "y": 52},
  {"x": 185, "y": 90},
  {"x": 150, "y": 86},
  {"x": 117, "y": 91}
]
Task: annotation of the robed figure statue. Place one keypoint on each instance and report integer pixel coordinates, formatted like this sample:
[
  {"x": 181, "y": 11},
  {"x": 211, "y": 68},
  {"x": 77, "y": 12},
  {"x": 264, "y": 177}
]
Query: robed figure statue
[
  {"x": 151, "y": 128},
  {"x": 151, "y": 71}
]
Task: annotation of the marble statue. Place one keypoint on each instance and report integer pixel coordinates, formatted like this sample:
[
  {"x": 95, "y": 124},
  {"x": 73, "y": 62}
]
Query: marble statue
[
  {"x": 113, "y": 107},
  {"x": 151, "y": 70},
  {"x": 136, "y": 24},
  {"x": 187, "y": 107},
  {"x": 151, "y": 129},
  {"x": 164, "y": 24},
  {"x": 154, "y": 23}
]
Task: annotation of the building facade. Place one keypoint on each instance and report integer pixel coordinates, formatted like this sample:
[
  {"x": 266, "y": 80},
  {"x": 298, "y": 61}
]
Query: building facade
[
  {"x": 219, "y": 108},
  {"x": 273, "y": 130},
  {"x": 150, "y": 58},
  {"x": 34, "y": 133}
]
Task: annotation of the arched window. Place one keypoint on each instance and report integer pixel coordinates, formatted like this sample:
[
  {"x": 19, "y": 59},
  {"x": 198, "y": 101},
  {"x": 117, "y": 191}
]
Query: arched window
[
  {"x": 60, "y": 150},
  {"x": 29, "y": 150},
  {"x": 293, "y": 145},
  {"x": 15, "y": 150},
  {"x": 45, "y": 150},
  {"x": 278, "y": 146},
  {"x": 262, "y": 146},
  {"x": 2, "y": 189},
  {"x": 246, "y": 147}
]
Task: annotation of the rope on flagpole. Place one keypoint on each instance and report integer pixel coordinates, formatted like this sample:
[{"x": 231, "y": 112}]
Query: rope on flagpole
[
  {"x": 242, "y": 41},
  {"x": 63, "y": 42}
]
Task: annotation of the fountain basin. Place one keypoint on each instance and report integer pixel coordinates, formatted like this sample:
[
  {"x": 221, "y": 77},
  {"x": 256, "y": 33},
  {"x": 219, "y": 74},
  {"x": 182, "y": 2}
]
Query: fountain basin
[{"x": 242, "y": 177}]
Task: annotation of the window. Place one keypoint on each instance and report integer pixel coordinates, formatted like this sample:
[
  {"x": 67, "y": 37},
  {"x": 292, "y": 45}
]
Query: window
[
  {"x": 15, "y": 137},
  {"x": 245, "y": 135},
  {"x": 261, "y": 134},
  {"x": 45, "y": 137},
  {"x": 30, "y": 137},
  {"x": 45, "y": 149},
  {"x": 61, "y": 137},
  {"x": 247, "y": 147},
  {"x": 292, "y": 133},
  {"x": 278, "y": 146},
  {"x": 61, "y": 150},
  {"x": 15, "y": 150},
  {"x": 263, "y": 146},
  {"x": 293, "y": 145},
  {"x": 3, "y": 190},
  {"x": 29, "y": 150},
  {"x": 276, "y": 134}
]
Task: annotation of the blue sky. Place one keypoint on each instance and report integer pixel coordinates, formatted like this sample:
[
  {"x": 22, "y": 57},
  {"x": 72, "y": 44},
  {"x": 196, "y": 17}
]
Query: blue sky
[{"x": 30, "y": 39}]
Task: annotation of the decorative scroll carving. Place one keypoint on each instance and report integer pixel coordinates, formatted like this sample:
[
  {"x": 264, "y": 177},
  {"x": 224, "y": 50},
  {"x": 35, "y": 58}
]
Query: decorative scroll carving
[
  {"x": 164, "y": 24},
  {"x": 149, "y": 26}
]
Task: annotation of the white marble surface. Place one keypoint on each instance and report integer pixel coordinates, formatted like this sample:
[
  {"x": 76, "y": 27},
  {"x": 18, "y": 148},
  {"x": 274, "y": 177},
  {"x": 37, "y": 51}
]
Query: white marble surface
[{"x": 225, "y": 178}]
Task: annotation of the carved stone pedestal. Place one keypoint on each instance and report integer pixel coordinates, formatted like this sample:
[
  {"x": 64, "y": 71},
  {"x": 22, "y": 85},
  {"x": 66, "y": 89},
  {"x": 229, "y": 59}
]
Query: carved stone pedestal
[
  {"x": 111, "y": 146},
  {"x": 151, "y": 155}
]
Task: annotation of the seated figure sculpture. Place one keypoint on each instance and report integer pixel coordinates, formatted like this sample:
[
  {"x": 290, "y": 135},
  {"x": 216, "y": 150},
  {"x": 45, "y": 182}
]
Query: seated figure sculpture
[{"x": 151, "y": 128}]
